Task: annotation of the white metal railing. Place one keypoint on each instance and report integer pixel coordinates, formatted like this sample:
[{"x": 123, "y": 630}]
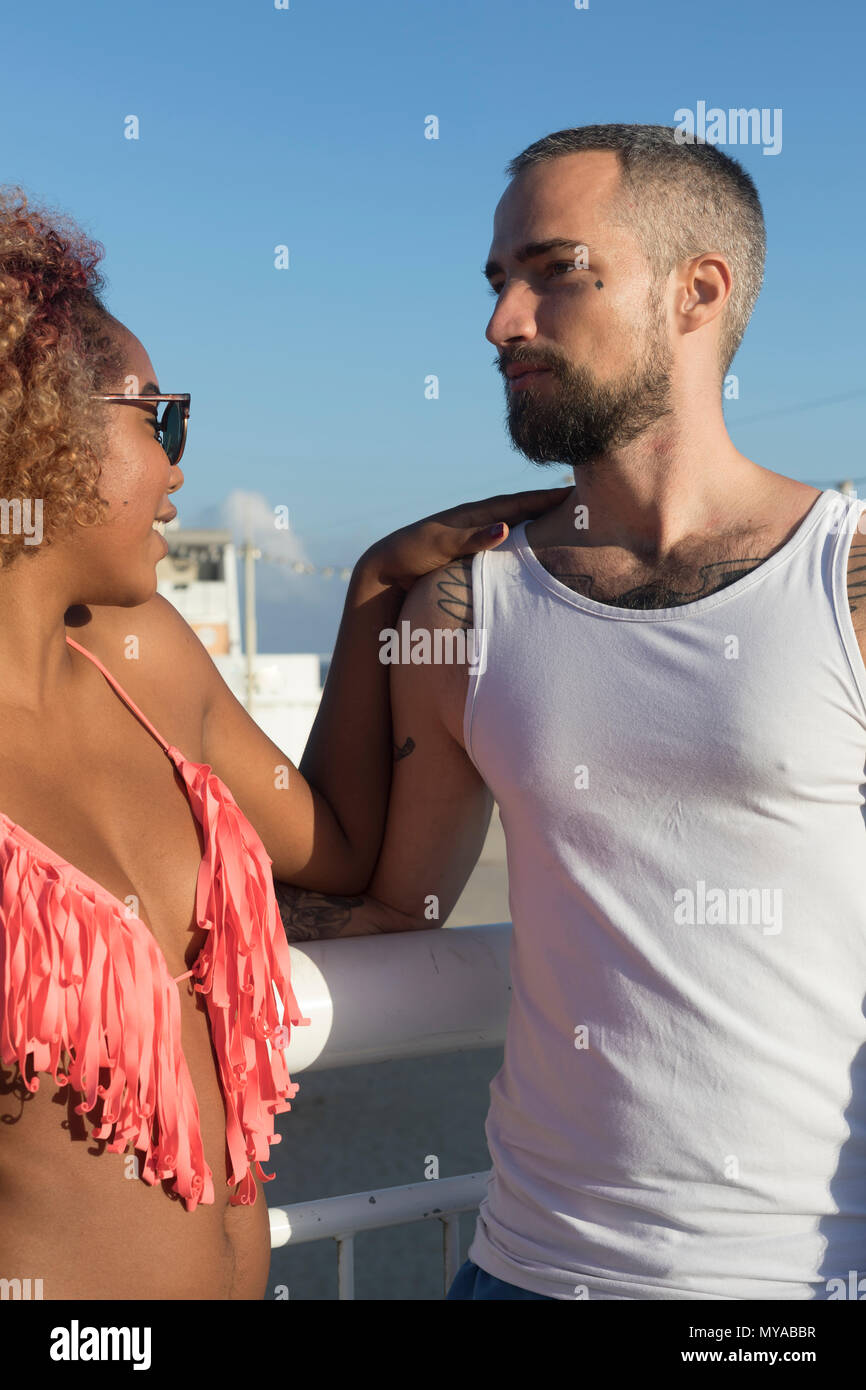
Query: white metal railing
[
  {"x": 342, "y": 1218},
  {"x": 374, "y": 999}
]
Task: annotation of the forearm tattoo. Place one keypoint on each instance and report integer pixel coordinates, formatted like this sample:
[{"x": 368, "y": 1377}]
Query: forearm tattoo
[
  {"x": 309, "y": 916},
  {"x": 405, "y": 750}
]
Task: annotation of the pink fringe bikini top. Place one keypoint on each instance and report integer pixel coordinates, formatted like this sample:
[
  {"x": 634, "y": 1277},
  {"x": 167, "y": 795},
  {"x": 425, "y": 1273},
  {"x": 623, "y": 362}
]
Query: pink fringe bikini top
[{"x": 85, "y": 986}]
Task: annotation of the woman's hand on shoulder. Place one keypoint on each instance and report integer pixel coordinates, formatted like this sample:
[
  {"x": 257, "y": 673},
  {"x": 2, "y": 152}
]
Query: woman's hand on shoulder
[{"x": 415, "y": 550}]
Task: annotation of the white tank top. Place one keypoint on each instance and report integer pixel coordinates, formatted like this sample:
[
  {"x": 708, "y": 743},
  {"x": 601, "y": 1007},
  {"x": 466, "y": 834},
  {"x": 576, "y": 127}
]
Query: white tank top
[{"x": 681, "y": 1109}]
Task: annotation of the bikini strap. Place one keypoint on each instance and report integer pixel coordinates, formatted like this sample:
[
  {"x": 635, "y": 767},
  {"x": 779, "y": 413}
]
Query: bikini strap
[{"x": 122, "y": 693}]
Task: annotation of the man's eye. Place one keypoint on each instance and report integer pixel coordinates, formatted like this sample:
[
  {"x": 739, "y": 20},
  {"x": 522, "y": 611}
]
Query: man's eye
[{"x": 555, "y": 266}]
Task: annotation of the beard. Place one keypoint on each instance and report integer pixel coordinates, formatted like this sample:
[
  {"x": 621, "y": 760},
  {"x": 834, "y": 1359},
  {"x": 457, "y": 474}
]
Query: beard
[{"x": 578, "y": 418}]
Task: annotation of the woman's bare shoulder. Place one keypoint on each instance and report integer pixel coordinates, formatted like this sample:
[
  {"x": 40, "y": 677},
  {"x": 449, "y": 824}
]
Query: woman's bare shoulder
[{"x": 153, "y": 652}]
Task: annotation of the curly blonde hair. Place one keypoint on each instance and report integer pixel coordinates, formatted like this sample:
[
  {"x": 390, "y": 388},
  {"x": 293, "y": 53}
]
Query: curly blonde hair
[{"x": 58, "y": 345}]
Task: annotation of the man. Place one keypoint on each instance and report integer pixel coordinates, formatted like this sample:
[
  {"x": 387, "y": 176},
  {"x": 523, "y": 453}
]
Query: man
[{"x": 670, "y": 710}]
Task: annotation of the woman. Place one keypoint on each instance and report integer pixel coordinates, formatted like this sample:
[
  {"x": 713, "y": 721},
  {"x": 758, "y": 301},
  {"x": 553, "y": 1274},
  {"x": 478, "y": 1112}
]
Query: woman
[{"x": 140, "y": 943}]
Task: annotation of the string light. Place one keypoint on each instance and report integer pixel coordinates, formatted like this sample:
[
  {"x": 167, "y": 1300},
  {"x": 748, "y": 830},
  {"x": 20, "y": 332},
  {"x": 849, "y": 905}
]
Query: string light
[
  {"x": 183, "y": 551},
  {"x": 191, "y": 552},
  {"x": 302, "y": 567}
]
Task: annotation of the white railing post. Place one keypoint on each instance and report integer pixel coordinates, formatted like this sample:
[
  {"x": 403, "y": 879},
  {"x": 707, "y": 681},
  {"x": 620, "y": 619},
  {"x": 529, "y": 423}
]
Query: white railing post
[
  {"x": 450, "y": 1247},
  {"x": 346, "y": 1267},
  {"x": 398, "y": 995},
  {"x": 342, "y": 1218}
]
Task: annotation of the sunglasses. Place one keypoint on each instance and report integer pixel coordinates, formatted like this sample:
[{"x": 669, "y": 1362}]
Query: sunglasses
[{"x": 171, "y": 424}]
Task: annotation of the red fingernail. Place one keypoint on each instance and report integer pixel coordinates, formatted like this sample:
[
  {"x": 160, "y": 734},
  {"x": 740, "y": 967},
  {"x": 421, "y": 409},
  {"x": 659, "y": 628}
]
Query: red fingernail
[{"x": 498, "y": 530}]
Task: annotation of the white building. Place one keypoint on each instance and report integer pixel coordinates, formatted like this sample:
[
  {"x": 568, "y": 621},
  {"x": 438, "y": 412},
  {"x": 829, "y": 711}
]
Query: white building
[{"x": 199, "y": 577}]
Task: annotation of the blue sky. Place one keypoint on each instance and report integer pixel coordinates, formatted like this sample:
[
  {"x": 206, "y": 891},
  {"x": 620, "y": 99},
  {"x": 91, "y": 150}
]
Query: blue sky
[{"x": 305, "y": 127}]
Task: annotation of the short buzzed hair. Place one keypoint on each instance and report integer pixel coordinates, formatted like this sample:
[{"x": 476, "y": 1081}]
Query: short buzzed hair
[{"x": 687, "y": 198}]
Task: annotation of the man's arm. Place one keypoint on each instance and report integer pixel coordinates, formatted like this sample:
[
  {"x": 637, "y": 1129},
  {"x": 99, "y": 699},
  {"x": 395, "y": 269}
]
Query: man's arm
[{"x": 439, "y": 809}]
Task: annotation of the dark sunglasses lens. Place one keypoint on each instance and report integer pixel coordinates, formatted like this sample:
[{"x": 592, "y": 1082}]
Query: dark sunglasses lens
[{"x": 172, "y": 430}]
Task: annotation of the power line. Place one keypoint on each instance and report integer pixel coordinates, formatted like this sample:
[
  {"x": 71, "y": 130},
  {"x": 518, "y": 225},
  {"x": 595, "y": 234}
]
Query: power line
[
  {"x": 345, "y": 571},
  {"x": 798, "y": 409}
]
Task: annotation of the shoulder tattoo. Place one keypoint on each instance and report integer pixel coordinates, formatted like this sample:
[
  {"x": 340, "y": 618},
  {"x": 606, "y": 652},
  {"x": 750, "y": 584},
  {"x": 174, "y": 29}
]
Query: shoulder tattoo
[
  {"x": 455, "y": 591},
  {"x": 857, "y": 573}
]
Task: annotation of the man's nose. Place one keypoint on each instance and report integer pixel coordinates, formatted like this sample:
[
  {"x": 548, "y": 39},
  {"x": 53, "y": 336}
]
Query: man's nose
[{"x": 513, "y": 319}]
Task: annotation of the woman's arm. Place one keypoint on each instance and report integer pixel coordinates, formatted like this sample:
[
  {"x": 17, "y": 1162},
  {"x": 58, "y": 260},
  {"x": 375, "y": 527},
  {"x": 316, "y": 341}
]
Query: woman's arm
[
  {"x": 322, "y": 823},
  {"x": 348, "y": 754}
]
